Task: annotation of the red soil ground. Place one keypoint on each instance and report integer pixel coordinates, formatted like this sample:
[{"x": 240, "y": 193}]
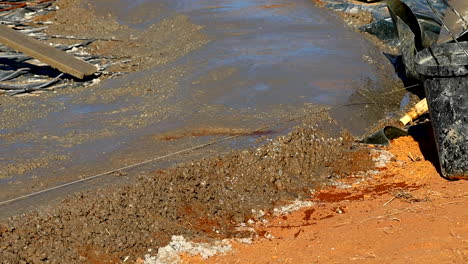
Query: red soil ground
[{"x": 406, "y": 213}]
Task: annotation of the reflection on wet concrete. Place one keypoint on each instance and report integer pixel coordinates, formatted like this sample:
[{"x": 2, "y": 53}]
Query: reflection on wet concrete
[{"x": 266, "y": 62}]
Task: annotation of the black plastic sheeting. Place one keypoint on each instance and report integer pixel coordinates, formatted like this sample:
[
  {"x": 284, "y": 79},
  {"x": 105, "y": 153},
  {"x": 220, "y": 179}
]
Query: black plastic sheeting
[
  {"x": 416, "y": 28},
  {"x": 445, "y": 70},
  {"x": 382, "y": 27},
  {"x": 413, "y": 32},
  {"x": 383, "y": 136},
  {"x": 456, "y": 18},
  {"x": 378, "y": 9}
]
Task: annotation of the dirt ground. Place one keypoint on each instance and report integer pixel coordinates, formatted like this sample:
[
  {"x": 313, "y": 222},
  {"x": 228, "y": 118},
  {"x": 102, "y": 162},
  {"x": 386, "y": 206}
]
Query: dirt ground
[
  {"x": 203, "y": 199},
  {"x": 406, "y": 213},
  {"x": 382, "y": 205},
  {"x": 369, "y": 204}
]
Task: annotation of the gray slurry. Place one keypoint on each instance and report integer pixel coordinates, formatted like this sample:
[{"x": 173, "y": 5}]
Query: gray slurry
[{"x": 201, "y": 70}]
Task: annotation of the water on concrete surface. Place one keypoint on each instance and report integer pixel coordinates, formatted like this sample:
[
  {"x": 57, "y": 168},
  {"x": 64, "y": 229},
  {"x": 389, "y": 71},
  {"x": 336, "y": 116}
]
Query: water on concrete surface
[{"x": 266, "y": 61}]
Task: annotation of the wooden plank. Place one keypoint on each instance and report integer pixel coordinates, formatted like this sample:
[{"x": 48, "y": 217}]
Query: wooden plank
[{"x": 54, "y": 57}]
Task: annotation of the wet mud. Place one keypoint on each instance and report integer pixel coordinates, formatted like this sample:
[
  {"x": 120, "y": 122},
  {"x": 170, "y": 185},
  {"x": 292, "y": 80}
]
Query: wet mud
[
  {"x": 197, "y": 72},
  {"x": 194, "y": 67},
  {"x": 204, "y": 199}
]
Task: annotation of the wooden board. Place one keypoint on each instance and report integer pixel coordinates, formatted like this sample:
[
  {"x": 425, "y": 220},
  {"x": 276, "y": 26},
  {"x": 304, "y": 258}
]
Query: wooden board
[{"x": 45, "y": 53}]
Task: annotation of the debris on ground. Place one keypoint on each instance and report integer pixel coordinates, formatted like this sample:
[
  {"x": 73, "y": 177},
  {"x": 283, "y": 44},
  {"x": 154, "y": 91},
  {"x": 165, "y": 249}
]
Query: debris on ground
[
  {"x": 45, "y": 53},
  {"x": 22, "y": 74},
  {"x": 171, "y": 253}
]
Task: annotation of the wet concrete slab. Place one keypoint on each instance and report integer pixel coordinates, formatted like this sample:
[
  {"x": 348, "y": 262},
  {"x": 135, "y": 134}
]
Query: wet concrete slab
[{"x": 263, "y": 62}]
